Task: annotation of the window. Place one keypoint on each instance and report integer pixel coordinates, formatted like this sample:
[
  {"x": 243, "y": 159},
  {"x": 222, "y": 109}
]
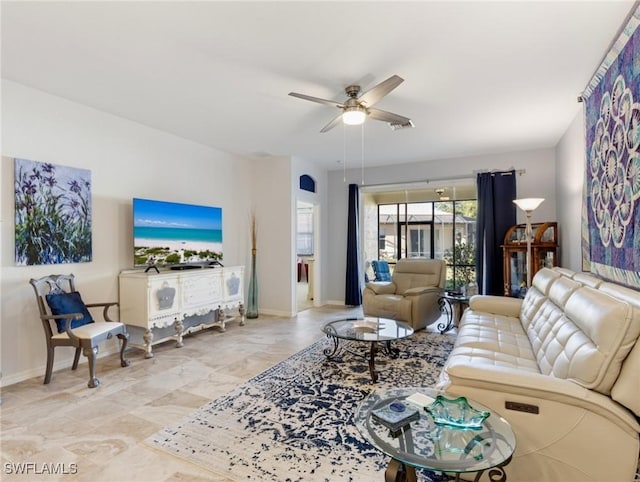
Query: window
[
  {"x": 405, "y": 231},
  {"x": 440, "y": 230},
  {"x": 304, "y": 240}
]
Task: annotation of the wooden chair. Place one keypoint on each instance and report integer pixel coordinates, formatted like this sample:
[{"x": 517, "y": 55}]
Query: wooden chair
[{"x": 67, "y": 322}]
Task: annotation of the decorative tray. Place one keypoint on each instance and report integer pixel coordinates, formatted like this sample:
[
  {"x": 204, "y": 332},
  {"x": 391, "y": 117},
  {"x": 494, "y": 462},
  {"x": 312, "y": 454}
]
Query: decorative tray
[{"x": 456, "y": 413}]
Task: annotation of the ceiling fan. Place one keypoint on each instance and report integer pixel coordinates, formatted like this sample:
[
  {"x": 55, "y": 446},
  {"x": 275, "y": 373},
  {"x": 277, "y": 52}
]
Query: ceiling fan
[{"x": 356, "y": 108}]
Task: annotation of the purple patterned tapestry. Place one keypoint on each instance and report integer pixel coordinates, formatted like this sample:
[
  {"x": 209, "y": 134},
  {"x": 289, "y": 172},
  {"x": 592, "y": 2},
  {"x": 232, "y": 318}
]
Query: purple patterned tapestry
[{"x": 611, "y": 196}]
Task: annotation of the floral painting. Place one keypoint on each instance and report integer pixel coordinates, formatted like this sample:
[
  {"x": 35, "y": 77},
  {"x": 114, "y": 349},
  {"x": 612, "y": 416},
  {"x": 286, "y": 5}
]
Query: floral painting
[
  {"x": 611, "y": 198},
  {"x": 53, "y": 213}
]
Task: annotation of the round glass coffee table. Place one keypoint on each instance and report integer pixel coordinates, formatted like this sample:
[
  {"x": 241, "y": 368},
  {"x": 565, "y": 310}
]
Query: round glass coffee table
[
  {"x": 424, "y": 444},
  {"x": 369, "y": 330}
]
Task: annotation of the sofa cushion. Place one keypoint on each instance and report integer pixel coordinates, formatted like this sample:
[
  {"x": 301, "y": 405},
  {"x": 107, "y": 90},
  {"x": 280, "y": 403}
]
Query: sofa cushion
[
  {"x": 590, "y": 335},
  {"x": 530, "y": 306},
  {"x": 501, "y": 334},
  {"x": 561, "y": 289},
  {"x": 499, "y": 305},
  {"x": 543, "y": 280},
  {"x": 626, "y": 390},
  {"x": 587, "y": 280},
  {"x": 542, "y": 332},
  {"x": 537, "y": 295},
  {"x": 482, "y": 357}
]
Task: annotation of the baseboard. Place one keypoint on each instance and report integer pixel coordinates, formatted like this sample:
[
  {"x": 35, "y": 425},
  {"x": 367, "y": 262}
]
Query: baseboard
[
  {"x": 57, "y": 366},
  {"x": 336, "y": 302},
  {"x": 285, "y": 314}
]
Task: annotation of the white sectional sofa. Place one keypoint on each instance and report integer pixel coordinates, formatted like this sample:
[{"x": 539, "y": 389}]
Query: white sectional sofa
[{"x": 563, "y": 367}]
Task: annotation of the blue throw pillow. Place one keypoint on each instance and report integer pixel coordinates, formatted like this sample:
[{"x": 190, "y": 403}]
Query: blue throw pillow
[{"x": 65, "y": 304}]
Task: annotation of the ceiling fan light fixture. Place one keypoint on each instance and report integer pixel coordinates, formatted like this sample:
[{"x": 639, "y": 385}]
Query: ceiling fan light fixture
[{"x": 354, "y": 116}]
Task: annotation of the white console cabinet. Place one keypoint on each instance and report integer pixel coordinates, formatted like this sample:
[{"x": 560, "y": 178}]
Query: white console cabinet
[{"x": 170, "y": 304}]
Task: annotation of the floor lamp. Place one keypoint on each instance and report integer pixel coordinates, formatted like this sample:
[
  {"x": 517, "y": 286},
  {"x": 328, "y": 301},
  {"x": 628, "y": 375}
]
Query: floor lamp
[{"x": 528, "y": 205}]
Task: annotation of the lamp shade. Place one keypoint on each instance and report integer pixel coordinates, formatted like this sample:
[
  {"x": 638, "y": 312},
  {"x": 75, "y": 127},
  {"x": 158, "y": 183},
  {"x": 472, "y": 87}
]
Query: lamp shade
[
  {"x": 528, "y": 204},
  {"x": 354, "y": 116}
]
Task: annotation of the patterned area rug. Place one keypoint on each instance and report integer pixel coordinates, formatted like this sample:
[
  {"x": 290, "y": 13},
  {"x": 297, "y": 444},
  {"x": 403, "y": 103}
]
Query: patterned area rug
[{"x": 294, "y": 421}]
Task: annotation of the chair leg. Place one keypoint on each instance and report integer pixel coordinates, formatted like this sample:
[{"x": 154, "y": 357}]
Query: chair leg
[
  {"x": 124, "y": 340},
  {"x": 49, "y": 370},
  {"x": 76, "y": 359},
  {"x": 91, "y": 352}
]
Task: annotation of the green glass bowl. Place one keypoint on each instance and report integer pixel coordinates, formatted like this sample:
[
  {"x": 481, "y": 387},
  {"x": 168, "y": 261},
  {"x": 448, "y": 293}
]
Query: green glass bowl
[{"x": 456, "y": 413}]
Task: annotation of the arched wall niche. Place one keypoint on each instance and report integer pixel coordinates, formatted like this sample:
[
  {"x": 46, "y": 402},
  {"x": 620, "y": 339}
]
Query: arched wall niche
[{"x": 307, "y": 183}]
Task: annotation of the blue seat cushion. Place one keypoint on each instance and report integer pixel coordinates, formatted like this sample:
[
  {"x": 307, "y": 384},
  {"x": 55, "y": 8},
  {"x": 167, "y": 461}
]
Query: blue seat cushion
[
  {"x": 381, "y": 270},
  {"x": 65, "y": 304}
]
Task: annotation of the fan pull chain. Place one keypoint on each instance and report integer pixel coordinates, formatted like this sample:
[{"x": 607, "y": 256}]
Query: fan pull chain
[
  {"x": 362, "y": 152},
  {"x": 344, "y": 153}
]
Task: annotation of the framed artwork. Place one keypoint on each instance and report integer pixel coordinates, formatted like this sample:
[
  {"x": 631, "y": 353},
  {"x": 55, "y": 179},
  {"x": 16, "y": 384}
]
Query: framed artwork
[
  {"x": 53, "y": 213},
  {"x": 611, "y": 194}
]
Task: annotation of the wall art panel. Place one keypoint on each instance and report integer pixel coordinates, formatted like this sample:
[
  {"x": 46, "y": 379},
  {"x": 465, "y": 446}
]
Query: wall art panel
[
  {"x": 611, "y": 194},
  {"x": 52, "y": 213}
]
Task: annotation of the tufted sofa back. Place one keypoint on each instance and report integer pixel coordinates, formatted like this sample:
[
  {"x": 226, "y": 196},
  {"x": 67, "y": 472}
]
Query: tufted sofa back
[
  {"x": 583, "y": 330},
  {"x": 419, "y": 272}
]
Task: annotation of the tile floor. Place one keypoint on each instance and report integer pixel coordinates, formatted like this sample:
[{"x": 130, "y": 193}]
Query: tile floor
[
  {"x": 97, "y": 435},
  {"x": 302, "y": 299}
]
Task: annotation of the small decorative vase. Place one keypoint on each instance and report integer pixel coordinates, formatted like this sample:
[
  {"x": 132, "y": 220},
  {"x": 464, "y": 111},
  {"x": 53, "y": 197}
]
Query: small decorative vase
[{"x": 252, "y": 296}]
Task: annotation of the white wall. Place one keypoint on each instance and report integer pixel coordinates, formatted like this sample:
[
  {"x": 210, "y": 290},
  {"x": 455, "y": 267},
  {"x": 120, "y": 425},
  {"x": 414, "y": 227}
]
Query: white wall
[
  {"x": 126, "y": 160},
  {"x": 538, "y": 181},
  {"x": 570, "y": 171},
  {"x": 274, "y": 209}
]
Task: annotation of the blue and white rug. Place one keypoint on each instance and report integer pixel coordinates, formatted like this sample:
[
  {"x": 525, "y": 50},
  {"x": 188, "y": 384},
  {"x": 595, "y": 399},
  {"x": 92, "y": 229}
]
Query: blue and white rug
[{"x": 294, "y": 421}]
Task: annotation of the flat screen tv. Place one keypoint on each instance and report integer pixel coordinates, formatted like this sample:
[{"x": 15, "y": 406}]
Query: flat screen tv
[{"x": 171, "y": 234}]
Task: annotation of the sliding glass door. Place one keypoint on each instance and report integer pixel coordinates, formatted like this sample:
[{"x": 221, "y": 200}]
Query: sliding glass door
[{"x": 440, "y": 230}]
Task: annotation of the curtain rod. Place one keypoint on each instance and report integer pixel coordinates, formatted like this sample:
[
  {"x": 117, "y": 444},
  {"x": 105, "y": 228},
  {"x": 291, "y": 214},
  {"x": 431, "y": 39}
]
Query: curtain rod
[{"x": 472, "y": 175}]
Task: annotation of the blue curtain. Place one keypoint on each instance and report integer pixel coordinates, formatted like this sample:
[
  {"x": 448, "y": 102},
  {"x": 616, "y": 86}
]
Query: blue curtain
[
  {"x": 353, "y": 293},
  {"x": 496, "y": 213}
]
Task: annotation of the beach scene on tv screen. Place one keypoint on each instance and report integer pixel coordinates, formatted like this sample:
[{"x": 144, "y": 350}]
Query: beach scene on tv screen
[{"x": 167, "y": 233}]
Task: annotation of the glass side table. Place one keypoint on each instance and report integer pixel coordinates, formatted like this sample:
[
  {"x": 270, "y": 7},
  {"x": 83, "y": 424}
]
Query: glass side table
[
  {"x": 424, "y": 444},
  {"x": 452, "y": 306}
]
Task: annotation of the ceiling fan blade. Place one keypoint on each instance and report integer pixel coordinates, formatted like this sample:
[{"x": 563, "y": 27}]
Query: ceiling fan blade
[
  {"x": 376, "y": 93},
  {"x": 334, "y": 122},
  {"x": 383, "y": 115},
  {"x": 317, "y": 99}
]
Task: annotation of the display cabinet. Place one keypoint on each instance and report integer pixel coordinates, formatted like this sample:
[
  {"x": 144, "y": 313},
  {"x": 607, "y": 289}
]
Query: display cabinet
[{"x": 544, "y": 253}]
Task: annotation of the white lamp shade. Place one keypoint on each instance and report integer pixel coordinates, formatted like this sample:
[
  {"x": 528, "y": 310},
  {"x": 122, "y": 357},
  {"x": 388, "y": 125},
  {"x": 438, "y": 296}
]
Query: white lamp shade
[
  {"x": 354, "y": 116},
  {"x": 528, "y": 204}
]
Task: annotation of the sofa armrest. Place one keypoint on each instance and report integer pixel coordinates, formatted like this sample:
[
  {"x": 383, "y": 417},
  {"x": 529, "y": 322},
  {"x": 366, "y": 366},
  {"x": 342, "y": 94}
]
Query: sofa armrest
[
  {"x": 510, "y": 381},
  {"x": 382, "y": 287},
  {"x": 497, "y": 305},
  {"x": 421, "y": 290}
]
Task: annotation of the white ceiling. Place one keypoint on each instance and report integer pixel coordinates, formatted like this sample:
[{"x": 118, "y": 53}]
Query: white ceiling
[{"x": 480, "y": 77}]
